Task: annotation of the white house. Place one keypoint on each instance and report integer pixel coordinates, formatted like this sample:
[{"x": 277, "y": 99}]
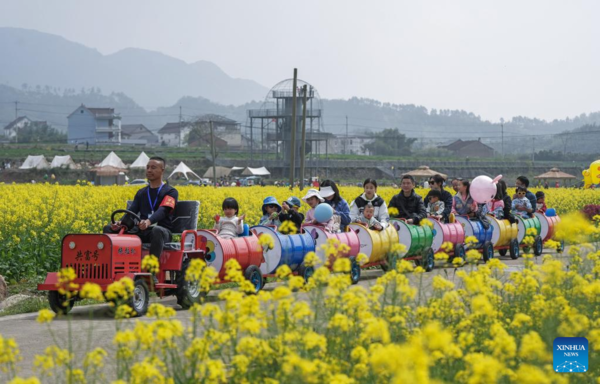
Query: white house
[
  {"x": 173, "y": 134},
  {"x": 351, "y": 145},
  {"x": 10, "y": 131}
]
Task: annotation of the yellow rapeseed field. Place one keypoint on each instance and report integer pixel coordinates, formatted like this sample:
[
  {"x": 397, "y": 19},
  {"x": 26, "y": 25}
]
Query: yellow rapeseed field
[
  {"x": 36, "y": 217},
  {"x": 485, "y": 324}
]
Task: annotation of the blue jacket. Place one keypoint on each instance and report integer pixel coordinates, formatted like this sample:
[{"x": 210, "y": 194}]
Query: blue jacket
[{"x": 343, "y": 210}]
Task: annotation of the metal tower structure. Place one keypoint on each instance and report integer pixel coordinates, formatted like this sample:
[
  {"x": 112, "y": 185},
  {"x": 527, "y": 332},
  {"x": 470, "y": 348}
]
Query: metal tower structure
[{"x": 269, "y": 128}]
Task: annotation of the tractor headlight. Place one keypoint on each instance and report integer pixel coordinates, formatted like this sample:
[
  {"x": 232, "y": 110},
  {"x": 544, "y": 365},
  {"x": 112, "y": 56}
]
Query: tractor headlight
[
  {"x": 72, "y": 245},
  {"x": 100, "y": 245}
]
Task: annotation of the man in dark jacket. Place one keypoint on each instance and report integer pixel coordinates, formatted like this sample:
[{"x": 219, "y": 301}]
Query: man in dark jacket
[
  {"x": 409, "y": 205},
  {"x": 437, "y": 183},
  {"x": 154, "y": 204}
]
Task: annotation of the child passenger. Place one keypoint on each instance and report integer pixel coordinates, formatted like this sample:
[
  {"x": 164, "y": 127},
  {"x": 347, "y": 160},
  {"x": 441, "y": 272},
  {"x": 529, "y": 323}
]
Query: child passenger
[
  {"x": 367, "y": 218},
  {"x": 521, "y": 203},
  {"x": 313, "y": 198},
  {"x": 229, "y": 226},
  {"x": 270, "y": 209},
  {"x": 435, "y": 207}
]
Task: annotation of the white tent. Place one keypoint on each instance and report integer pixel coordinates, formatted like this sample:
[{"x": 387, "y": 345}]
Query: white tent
[
  {"x": 112, "y": 160},
  {"x": 141, "y": 161},
  {"x": 184, "y": 169},
  {"x": 262, "y": 171},
  {"x": 62, "y": 161},
  {"x": 237, "y": 168},
  {"x": 219, "y": 171},
  {"x": 35, "y": 162}
]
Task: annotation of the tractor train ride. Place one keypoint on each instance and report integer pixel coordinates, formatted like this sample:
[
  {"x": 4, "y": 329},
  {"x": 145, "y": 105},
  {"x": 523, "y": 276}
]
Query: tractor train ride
[{"x": 106, "y": 258}]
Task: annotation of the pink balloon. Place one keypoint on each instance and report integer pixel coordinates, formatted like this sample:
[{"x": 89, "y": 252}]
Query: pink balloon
[{"x": 483, "y": 189}]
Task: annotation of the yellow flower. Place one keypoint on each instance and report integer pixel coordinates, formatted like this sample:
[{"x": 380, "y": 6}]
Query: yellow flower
[
  {"x": 18, "y": 380},
  {"x": 311, "y": 259},
  {"x": 471, "y": 240},
  {"x": 150, "y": 264},
  {"x": 124, "y": 311},
  {"x": 120, "y": 290},
  {"x": 283, "y": 271},
  {"x": 342, "y": 265},
  {"x": 91, "y": 291},
  {"x": 45, "y": 316},
  {"x": 266, "y": 241},
  {"x": 159, "y": 311},
  {"x": 426, "y": 223}
]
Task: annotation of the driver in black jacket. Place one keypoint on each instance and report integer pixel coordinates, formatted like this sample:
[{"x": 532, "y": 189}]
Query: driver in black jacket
[
  {"x": 409, "y": 205},
  {"x": 154, "y": 204}
]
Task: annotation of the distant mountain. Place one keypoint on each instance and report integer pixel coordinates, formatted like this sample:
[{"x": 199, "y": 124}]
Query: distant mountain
[{"x": 152, "y": 79}]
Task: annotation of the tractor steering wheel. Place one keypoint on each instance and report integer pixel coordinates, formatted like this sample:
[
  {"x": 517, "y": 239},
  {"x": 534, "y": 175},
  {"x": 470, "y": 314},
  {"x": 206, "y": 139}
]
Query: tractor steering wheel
[{"x": 134, "y": 221}]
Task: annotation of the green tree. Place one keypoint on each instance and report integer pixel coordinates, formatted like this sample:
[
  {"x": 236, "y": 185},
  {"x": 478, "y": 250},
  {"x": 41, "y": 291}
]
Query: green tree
[
  {"x": 389, "y": 142},
  {"x": 40, "y": 132}
]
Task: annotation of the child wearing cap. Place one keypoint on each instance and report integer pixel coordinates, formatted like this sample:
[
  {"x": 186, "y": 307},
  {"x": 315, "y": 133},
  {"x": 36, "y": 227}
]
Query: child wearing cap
[
  {"x": 313, "y": 198},
  {"x": 270, "y": 209},
  {"x": 289, "y": 212},
  {"x": 341, "y": 210}
]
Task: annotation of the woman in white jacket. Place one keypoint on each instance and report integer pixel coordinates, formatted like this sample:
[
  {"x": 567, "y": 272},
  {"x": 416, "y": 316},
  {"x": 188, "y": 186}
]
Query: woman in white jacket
[{"x": 370, "y": 196}]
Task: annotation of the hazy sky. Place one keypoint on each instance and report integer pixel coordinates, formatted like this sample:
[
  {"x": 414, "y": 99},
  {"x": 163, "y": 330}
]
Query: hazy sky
[{"x": 493, "y": 58}]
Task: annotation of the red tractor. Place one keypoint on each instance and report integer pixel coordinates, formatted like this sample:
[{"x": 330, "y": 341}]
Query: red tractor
[{"x": 106, "y": 258}]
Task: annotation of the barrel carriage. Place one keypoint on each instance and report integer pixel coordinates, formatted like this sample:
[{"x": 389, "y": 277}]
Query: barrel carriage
[
  {"x": 245, "y": 249},
  {"x": 418, "y": 241},
  {"x": 524, "y": 225},
  {"x": 288, "y": 249},
  {"x": 349, "y": 238},
  {"x": 375, "y": 244},
  {"x": 452, "y": 233},
  {"x": 505, "y": 237},
  {"x": 548, "y": 227},
  {"x": 484, "y": 236}
]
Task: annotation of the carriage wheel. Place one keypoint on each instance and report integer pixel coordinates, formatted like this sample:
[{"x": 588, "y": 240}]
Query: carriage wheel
[
  {"x": 253, "y": 275},
  {"x": 354, "y": 270},
  {"x": 429, "y": 260},
  {"x": 459, "y": 251},
  {"x": 514, "y": 249},
  {"x": 488, "y": 251},
  {"x": 538, "y": 246},
  {"x": 305, "y": 272}
]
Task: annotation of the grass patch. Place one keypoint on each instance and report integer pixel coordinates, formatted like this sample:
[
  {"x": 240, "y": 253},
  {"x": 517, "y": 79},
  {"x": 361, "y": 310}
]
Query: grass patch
[{"x": 31, "y": 304}]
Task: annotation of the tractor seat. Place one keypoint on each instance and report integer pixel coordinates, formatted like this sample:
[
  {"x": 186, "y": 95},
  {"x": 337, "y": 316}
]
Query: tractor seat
[{"x": 185, "y": 217}]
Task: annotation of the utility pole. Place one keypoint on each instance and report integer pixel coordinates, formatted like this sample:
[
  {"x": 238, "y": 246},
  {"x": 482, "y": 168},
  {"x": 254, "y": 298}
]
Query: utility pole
[
  {"x": 180, "y": 129},
  {"x": 533, "y": 149},
  {"x": 346, "y": 142},
  {"x": 293, "y": 140},
  {"x": 16, "y": 117},
  {"x": 303, "y": 143},
  {"x": 212, "y": 150},
  {"x": 502, "y": 125}
]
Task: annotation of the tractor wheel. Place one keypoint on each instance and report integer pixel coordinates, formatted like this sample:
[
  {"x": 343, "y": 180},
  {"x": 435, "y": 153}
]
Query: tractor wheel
[
  {"x": 57, "y": 303},
  {"x": 254, "y": 275},
  {"x": 188, "y": 292},
  {"x": 538, "y": 246},
  {"x": 354, "y": 270},
  {"x": 488, "y": 251},
  {"x": 305, "y": 272},
  {"x": 459, "y": 251},
  {"x": 428, "y": 260},
  {"x": 502, "y": 252},
  {"x": 514, "y": 249},
  {"x": 140, "y": 299}
]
